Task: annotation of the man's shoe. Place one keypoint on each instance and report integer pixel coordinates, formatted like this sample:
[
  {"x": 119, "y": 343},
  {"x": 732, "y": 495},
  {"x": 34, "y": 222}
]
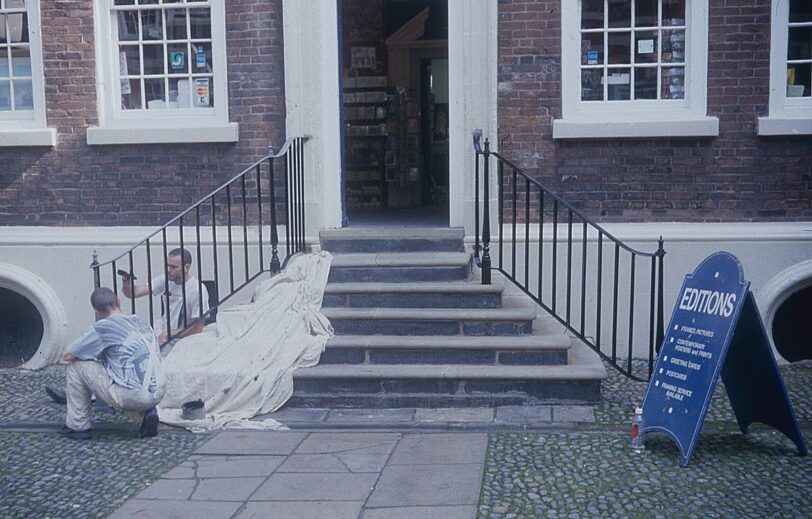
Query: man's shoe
[
  {"x": 57, "y": 395},
  {"x": 73, "y": 434},
  {"x": 149, "y": 425}
]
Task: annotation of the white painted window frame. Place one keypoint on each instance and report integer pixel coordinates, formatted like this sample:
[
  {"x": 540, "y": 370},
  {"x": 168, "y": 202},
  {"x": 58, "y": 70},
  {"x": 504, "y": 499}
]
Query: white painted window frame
[
  {"x": 117, "y": 126},
  {"x": 787, "y": 115},
  {"x": 639, "y": 118},
  {"x": 30, "y": 128}
]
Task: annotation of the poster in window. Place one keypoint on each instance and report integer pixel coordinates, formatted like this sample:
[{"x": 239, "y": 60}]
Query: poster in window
[
  {"x": 122, "y": 68},
  {"x": 202, "y": 91}
]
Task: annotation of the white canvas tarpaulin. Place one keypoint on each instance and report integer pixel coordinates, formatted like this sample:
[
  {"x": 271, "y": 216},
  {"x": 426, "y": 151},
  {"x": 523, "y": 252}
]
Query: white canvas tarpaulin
[{"x": 243, "y": 365}]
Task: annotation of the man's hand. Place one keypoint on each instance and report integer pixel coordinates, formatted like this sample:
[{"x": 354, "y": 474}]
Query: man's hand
[{"x": 68, "y": 356}]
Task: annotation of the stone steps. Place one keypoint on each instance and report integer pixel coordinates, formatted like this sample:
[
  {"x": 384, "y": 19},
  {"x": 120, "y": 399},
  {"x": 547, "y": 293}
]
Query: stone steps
[
  {"x": 482, "y": 350},
  {"x": 449, "y": 294},
  {"x": 414, "y": 328}
]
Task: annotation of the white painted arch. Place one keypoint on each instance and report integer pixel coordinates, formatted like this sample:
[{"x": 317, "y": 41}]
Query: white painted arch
[
  {"x": 312, "y": 100},
  {"x": 778, "y": 289},
  {"x": 50, "y": 308}
]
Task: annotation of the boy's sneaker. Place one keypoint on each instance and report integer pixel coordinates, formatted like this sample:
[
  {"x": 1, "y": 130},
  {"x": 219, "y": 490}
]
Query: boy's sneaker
[
  {"x": 149, "y": 425},
  {"x": 73, "y": 434}
]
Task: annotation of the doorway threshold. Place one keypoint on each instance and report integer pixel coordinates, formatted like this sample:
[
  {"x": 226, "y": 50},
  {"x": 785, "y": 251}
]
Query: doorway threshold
[{"x": 426, "y": 216}]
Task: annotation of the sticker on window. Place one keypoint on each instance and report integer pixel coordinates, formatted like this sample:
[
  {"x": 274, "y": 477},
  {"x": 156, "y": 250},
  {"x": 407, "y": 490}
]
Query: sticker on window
[
  {"x": 592, "y": 57},
  {"x": 645, "y": 46},
  {"x": 177, "y": 60},
  {"x": 200, "y": 59},
  {"x": 202, "y": 92}
]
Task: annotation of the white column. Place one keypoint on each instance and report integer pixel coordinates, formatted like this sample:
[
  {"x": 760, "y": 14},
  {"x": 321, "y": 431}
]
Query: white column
[
  {"x": 312, "y": 102},
  {"x": 472, "y": 53}
]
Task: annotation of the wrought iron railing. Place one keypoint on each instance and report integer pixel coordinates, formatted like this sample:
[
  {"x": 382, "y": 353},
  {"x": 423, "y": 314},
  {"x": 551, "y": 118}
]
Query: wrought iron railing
[
  {"x": 225, "y": 231},
  {"x": 577, "y": 287}
]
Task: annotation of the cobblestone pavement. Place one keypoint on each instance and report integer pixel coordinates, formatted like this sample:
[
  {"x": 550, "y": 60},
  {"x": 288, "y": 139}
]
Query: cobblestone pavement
[{"x": 553, "y": 470}]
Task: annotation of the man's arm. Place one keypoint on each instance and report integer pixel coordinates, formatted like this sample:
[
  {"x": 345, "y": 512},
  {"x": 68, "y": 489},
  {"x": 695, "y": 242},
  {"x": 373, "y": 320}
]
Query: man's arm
[{"x": 128, "y": 289}]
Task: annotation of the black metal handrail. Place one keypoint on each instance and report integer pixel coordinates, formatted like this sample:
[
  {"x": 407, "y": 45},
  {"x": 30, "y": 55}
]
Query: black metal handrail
[
  {"x": 523, "y": 200},
  {"x": 250, "y": 200}
]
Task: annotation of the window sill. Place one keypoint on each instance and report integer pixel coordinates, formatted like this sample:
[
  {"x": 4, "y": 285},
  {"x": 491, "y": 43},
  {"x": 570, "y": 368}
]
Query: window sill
[
  {"x": 27, "y": 137},
  {"x": 100, "y": 136},
  {"x": 699, "y": 127},
  {"x": 768, "y": 126}
]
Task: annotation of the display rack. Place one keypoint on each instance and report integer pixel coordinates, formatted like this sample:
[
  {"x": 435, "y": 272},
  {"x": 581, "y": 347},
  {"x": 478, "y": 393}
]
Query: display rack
[{"x": 365, "y": 112}]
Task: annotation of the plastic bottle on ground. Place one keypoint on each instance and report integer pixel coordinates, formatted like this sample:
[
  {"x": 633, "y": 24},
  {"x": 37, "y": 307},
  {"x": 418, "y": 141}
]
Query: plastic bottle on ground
[{"x": 637, "y": 442}]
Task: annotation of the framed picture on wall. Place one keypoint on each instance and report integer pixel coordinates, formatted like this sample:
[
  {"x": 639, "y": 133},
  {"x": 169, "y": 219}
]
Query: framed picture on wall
[{"x": 363, "y": 57}]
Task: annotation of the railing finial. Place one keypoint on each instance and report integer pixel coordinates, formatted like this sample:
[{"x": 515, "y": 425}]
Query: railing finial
[{"x": 95, "y": 266}]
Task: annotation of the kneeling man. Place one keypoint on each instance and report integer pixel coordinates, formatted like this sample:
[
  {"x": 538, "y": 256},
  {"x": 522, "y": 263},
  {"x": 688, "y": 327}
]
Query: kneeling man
[{"x": 116, "y": 358}]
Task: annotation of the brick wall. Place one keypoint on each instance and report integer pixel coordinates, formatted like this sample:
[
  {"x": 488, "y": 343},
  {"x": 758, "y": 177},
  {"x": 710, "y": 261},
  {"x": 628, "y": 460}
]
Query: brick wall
[
  {"x": 76, "y": 184},
  {"x": 737, "y": 176}
]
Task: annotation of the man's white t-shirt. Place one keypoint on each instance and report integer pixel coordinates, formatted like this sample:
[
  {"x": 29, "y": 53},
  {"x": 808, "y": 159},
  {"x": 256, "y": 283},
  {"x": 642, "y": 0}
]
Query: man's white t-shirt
[{"x": 174, "y": 301}]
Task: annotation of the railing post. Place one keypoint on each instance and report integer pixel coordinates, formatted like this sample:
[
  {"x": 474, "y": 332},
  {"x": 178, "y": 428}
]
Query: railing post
[
  {"x": 96, "y": 275},
  {"x": 660, "y": 254},
  {"x": 486, "y": 217},
  {"x": 275, "y": 265}
]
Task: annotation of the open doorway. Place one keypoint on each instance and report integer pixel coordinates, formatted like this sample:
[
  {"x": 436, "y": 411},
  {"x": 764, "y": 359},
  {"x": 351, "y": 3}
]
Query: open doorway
[{"x": 395, "y": 111}]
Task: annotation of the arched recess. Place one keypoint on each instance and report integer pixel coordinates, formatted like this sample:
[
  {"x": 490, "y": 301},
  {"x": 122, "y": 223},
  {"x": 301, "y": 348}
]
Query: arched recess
[
  {"x": 778, "y": 289},
  {"x": 54, "y": 319}
]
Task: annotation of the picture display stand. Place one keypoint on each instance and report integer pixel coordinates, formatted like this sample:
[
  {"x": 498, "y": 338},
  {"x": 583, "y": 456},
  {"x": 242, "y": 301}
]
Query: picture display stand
[{"x": 715, "y": 330}]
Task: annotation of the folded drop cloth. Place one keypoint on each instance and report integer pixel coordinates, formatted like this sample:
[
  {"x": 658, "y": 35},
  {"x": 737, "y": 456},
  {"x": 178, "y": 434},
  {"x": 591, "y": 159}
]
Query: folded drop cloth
[{"x": 243, "y": 365}]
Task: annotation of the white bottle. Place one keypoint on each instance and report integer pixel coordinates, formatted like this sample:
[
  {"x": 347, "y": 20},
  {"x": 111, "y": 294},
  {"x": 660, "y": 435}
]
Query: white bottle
[{"x": 637, "y": 442}]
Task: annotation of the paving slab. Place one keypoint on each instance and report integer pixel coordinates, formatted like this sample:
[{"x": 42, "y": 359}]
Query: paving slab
[
  {"x": 169, "y": 489},
  {"x": 210, "y": 466},
  {"x": 301, "y": 510},
  {"x": 314, "y": 463},
  {"x": 225, "y": 489},
  {"x": 331, "y": 442},
  {"x": 524, "y": 414},
  {"x": 573, "y": 413},
  {"x": 423, "y": 512},
  {"x": 440, "y": 449},
  {"x": 448, "y": 414},
  {"x": 316, "y": 487},
  {"x": 376, "y": 416},
  {"x": 147, "y": 509},
  {"x": 253, "y": 443},
  {"x": 427, "y": 485}
]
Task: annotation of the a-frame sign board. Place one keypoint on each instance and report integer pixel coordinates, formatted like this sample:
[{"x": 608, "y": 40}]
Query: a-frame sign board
[{"x": 715, "y": 330}]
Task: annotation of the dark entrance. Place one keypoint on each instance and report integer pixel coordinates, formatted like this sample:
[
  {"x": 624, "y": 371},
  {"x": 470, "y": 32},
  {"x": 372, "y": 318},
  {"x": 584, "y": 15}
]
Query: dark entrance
[
  {"x": 20, "y": 329},
  {"x": 395, "y": 111}
]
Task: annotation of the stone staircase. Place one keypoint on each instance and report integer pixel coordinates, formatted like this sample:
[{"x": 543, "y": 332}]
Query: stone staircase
[{"x": 415, "y": 328}]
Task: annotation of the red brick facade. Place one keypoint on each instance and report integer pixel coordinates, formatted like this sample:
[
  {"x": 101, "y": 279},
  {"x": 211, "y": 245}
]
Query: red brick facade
[
  {"x": 737, "y": 176},
  {"x": 75, "y": 184}
]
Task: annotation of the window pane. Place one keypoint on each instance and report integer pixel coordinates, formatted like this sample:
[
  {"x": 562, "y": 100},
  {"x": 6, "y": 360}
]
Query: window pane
[
  {"x": 177, "y": 58},
  {"x": 645, "y": 14},
  {"x": 131, "y": 94},
  {"x": 3, "y": 29},
  {"x": 154, "y": 90},
  {"x": 592, "y": 14},
  {"x": 591, "y": 85},
  {"x": 645, "y": 83},
  {"x": 645, "y": 46},
  {"x": 673, "y": 86},
  {"x": 619, "y": 48},
  {"x": 151, "y": 25},
  {"x": 592, "y": 48},
  {"x": 5, "y": 96},
  {"x": 127, "y": 25},
  {"x": 23, "y": 95},
  {"x": 129, "y": 60},
  {"x": 618, "y": 84},
  {"x": 620, "y": 13},
  {"x": 176, "y": 24},
  {"x": 124, "y": 2},
  {"x": 674, "y": 46},
  {"x": 147, "y": 2},
  {"x": 153, "y": 59},
  {"x": 200, "y": 23},
  {"x": 20, "y": 62},
  {"x": 202, "y": 55},
  {"x": 799, "y": 80},
  {"x": 800, "y": 11},
  {"x": 4, "y": 72},
  {"x": 800, "y": 43},
  {"x": 203, "y": 95},
  {"x": 673, "y": 12},
  {"x": 179, "y": 93},
  {"x": 17, "y": 28}
]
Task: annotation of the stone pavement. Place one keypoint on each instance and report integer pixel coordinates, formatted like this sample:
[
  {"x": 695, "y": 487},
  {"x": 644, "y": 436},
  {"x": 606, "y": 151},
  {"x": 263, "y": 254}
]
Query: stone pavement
[
  {"x": 525, "y": 462},
  {"x": 330, "y": 475}
]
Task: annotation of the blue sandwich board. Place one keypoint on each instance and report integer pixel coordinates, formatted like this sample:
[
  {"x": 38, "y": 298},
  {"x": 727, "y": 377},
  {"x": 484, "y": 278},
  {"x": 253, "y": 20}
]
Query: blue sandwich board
[{"x": 716, "y": 330}]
